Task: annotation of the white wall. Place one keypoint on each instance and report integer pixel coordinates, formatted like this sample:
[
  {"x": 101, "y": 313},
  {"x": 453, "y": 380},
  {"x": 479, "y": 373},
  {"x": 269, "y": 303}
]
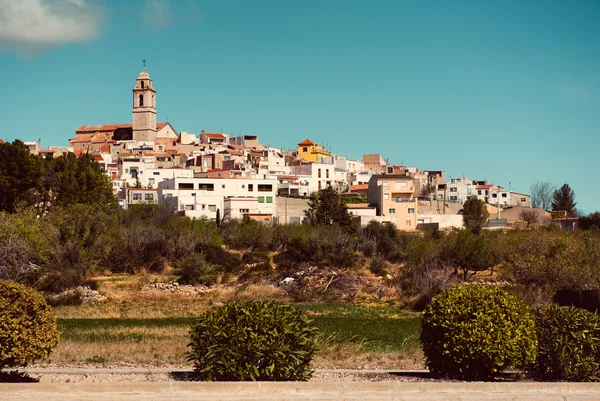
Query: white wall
[
  {"x": 203, "y": 202},
  {"x": 444, "y": 220}
]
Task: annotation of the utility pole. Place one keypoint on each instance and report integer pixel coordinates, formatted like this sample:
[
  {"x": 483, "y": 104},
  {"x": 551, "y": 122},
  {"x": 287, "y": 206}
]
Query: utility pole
[
  {"x": 445, "y": 189},
  {"x": 498, "y": 195}
]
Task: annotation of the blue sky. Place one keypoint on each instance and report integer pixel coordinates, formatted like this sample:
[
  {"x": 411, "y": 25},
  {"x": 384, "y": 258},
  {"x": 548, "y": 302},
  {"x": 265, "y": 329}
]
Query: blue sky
[{"x": 508, "y": 91}]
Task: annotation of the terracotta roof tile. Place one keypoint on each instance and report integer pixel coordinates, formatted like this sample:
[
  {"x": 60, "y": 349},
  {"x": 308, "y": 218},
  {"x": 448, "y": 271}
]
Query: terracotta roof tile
[
  {"x": 306, "y": 142},
  {"x": 214, "y": 136},
  {"x": 360, "y": 187}
]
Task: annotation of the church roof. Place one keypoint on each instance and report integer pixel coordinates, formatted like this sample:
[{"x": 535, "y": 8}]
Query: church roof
[
  {"x": 86, "y": 129},
  {"x": 143, "y": 74}
]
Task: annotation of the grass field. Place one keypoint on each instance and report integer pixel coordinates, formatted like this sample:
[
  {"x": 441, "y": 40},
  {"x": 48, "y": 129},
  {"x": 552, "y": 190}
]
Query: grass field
[{"x": 134, "y": 328}]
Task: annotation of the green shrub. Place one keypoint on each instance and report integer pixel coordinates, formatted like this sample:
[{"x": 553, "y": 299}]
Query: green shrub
[
  {"x": 569, "y": 344},
  {"x": 473, "y": 332},
  {"x": 378, "y": 266},
  {"x": 194, "y": 269},
  {"x": 27, "y": 325},
  {"x": 261, "y": 340},
  {"x": 230, "y": 262}
]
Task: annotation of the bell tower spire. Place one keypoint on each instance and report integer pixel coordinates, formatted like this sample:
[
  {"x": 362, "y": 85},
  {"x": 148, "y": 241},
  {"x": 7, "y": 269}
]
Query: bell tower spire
[{"x": 144, "y": 109}]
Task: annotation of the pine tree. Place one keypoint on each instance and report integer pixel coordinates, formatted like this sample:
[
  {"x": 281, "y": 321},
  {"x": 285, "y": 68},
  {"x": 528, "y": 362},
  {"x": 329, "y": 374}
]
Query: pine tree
[
  {"x": 564, "y": 199},
  {"x": 20, "y": 175},
  {"x": 80, "y": 180},
  {"x": 475, "y": 214},
  {"x": 326, "y": 208}
]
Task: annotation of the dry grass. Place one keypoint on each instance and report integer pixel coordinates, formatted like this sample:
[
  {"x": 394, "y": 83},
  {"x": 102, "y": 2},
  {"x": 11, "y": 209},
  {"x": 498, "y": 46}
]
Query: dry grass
[
  {"x": 135, "y": 327},
  {"x": 170, "y": 352}
]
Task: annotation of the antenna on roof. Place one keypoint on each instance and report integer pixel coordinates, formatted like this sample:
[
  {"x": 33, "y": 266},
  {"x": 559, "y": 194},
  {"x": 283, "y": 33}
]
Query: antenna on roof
[{"x": 144, "y": 61}]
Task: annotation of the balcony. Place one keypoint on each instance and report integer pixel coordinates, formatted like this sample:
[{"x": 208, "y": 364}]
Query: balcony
[{"x": 404, "y": 200}]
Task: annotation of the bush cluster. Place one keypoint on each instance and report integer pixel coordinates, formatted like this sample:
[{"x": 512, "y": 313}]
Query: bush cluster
[
  {"x": 260, "y": 340},
  {"x": 27, "y": 325},
  {"x": 474, "y": 332},
  {"x": 569, "y": 344}
]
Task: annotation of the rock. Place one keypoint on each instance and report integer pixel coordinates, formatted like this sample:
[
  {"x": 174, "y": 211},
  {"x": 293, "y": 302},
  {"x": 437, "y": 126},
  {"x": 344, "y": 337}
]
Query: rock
[{"x": 287, "y": 280}]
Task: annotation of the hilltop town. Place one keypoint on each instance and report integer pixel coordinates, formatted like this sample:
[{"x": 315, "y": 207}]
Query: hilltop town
[{"x": 237, "y": 176}]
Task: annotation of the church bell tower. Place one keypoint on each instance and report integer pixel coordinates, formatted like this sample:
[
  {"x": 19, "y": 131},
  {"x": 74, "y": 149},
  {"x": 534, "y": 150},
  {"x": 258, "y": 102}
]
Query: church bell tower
[{"x": 144, "y": 109}]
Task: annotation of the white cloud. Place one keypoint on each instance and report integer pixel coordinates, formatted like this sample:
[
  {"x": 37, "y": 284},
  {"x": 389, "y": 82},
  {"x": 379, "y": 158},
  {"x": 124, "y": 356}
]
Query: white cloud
[
  {"x": 30, "y": 26},
  {"x": 157, "y": 13}
]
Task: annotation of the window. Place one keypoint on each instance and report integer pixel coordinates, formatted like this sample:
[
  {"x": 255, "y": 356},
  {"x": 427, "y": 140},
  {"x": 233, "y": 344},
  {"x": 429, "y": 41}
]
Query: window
[
  {"x": 250, "y": 187},
  {"x": 223, "y": 186},
  {"x": 494, "y": 195},
  {"x": 386, "y": 196},
  {"x": 141, "y": 100},
  {"x": 207, "y": 187},
  {"x": 148, "y": 197},
  {"x": 384, "y": 184},
  {"x": 305, "y": 149},
  {"x": 142, "y": 84},
  {"x": 327, "y": 173},
  {"x": 454, "y": 198},
  {"x": 319, "y": 185},
  {"x": 203, "y": 207},
  {"x": 134, "y": 173},
  {"x": 189, "y": 207},
  {"x": 156, "y": 173},
  {"x": 411, "y": 210},
  {"x": 265, "y": 187},
  {"x": 184, "y": 185},
  {"x": 319, "y": 173},
  {"x": 244, "y": 210},
  {"x": 504, "y": 195},
  {"x": 294, "y": 219},
  {"x": 523, "y": 199},
  {"x": 212, "y": 208},
  {"x": 137, "y": 196},
  {"x": 408, "y": 223},
  {"x": 269, "y": 199},
  {"x": 261, "y": 199},
  {"x": 392, "y": 211},
  {"x": 453, "y": 189},
  {"x": 151, "y": 181},
  {"x": 479, "y": 192},
  {"x": 243, "y": 186}
]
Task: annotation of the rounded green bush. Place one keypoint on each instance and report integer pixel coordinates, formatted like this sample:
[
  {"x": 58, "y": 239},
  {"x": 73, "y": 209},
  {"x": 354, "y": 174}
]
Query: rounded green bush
[
  {"x": 473, "y": 332},
  {"x": 569, "y": 344},
  {"x": 261, "y": 340},
  {"x": 27, "y": 325}
]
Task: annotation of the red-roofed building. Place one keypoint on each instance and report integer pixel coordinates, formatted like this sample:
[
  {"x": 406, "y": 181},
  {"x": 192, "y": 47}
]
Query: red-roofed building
[{"x": 214, "y": 139}]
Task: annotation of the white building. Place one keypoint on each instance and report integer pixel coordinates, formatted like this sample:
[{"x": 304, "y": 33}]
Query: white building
[
  {"x": 202, "y": 197},
  {"x": 508, "y": 198},
  {"x": 316, "y": 176},
  {"x": 457, "y": 190}
]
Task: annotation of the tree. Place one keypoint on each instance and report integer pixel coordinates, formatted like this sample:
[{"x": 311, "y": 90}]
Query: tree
[
  {"x": 20, "y": 174},
  {"x": 80, "y": 180},
  {"x": 564, "y": 199},
  {"x": 530, "y": 217},
  {"x": 475, "y": 214},
  {"x": 473, "y": 253},
  {"x": 591, "y": 221},
  {"x": 326, "y": 208},
  {"x": 541, "y": 194},
  {"x": 427, "y": 191}
]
